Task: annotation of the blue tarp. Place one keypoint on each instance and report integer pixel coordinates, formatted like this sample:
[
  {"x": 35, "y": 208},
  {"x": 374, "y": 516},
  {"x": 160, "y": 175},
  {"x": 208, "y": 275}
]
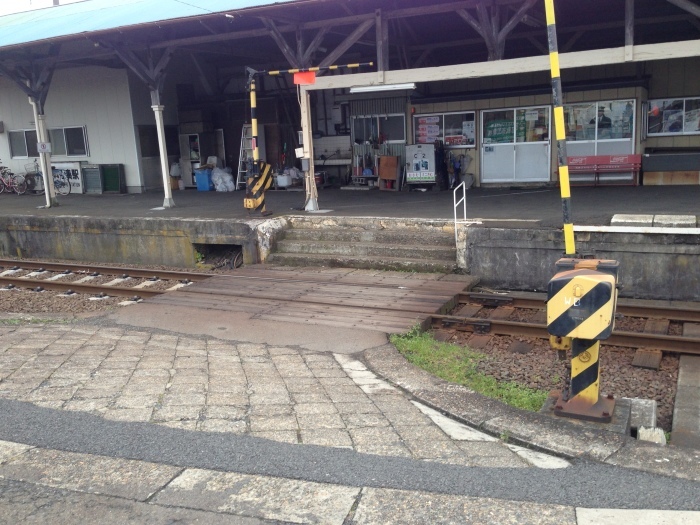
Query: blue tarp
[{"x": 103, "y": 15}]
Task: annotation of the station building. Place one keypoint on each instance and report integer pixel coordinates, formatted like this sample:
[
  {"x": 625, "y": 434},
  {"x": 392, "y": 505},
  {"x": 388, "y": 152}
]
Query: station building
[{"x": 470, "y": 76}]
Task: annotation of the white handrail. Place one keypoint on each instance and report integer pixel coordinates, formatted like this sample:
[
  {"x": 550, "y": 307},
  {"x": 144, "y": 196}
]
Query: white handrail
[{"x": 462, "y": 201}]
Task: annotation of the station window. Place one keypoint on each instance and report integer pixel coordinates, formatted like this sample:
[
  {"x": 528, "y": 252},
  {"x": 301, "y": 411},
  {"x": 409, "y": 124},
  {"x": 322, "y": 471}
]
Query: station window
[
  {"x": 600, "y": 121},
  {"x": 680, "y": 116},
  {"x": 453, "y": 129},
  {"x": 69, "y": 142}
]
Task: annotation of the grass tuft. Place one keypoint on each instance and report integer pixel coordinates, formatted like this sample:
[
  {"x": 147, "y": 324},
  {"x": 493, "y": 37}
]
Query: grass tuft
[{"x": 458, "y": 364}]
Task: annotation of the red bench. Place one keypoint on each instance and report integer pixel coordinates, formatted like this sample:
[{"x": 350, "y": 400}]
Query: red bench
[{"x": 605, "y": 169}]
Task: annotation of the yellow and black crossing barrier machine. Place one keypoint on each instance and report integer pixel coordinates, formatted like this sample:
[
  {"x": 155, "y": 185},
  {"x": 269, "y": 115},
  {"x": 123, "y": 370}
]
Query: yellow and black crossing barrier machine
[
  {"x": 582, "y": 295},
  {"x": 581, "y": 302}
]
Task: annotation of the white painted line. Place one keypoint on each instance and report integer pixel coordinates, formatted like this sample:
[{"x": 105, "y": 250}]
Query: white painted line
[
  {"x": 381, "y": 386},
  {"x": 454, "y": 429},
  {"x": 366, "y": 380},
  {"x": 638, "y": 517},
  {"x": 348, "y": 363},
  {"x": 539, "y": 459},
  {"x": 637, "y": 229}
]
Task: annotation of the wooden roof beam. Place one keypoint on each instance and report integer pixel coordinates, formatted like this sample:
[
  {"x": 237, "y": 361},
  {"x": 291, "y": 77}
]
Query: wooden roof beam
[{"x": 686, "y": 5}]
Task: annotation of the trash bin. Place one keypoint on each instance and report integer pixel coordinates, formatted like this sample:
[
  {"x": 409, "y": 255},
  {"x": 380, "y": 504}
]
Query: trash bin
[{"x": 203, "y": 179}]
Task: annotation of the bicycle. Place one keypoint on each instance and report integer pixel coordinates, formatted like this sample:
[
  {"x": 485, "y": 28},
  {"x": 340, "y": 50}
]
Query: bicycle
[
  {"x": 11, "y": 182},
  {"x": 35, "y": 180}
]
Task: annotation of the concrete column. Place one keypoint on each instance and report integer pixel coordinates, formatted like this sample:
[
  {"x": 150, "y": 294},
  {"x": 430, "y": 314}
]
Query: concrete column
[
  {"x": 168, "y": 201},
  {"x": 44, "y": 158},
  {"x": 306, "y": 131}
]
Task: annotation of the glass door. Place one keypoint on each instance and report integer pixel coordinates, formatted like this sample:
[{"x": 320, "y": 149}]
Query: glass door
[
  {"x": 498, "y": 146},
  {"x": 515, "y": 145},
  {"x": 532, "y": 144}
]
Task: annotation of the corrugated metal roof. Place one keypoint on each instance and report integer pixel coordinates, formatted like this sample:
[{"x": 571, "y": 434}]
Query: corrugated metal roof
[{"x": 101, "y": 15}]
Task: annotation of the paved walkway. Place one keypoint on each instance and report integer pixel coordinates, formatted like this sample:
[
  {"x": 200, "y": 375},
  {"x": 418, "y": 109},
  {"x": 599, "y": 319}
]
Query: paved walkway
[{"x": 152, "y": 426}]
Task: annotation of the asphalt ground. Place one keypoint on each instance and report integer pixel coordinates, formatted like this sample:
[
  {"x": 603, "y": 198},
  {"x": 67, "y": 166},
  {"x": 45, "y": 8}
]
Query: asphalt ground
[{"x": 515, "y": 206}]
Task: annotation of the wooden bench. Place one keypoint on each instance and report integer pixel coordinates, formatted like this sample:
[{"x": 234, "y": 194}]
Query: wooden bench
[{"x": 605, "y": 169}]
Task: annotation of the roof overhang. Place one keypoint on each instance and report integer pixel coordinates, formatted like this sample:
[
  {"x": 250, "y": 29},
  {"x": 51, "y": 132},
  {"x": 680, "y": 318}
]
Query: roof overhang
[{"x": 68, "y": 21}]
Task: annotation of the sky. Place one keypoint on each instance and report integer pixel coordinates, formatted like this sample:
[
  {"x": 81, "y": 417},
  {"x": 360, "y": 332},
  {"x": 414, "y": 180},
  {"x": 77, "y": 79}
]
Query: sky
[{"x": 15, "y": 6}]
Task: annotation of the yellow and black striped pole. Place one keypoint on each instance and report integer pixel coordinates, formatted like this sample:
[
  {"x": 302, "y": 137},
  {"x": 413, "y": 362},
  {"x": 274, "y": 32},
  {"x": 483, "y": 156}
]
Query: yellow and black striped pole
[
  {"x": 559, "y": 128},
  {"x": 259, "y": 177},
  {"x": 585, "y": 372},
  {"x": 315, "y": 69}
]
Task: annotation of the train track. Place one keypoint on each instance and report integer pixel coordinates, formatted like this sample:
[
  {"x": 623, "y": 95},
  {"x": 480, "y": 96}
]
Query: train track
[
  {"x": 102, "y": 281},
  {"x": 491, "y": 313}
]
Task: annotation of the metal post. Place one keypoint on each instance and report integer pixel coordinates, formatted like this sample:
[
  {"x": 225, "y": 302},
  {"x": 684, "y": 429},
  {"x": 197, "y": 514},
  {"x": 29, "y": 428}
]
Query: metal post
[
  {"x": 44, "y": 158},
  {"x": 310, "y": 178},
  {"x": 168, "y": 201},
  {"x": 560, "y": 129}
]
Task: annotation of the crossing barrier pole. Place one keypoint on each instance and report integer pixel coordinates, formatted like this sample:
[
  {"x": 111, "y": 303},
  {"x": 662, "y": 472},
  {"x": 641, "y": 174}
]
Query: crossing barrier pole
[
  {"x": 559, "y": 128},
  {"x": 257, "y": 180}
]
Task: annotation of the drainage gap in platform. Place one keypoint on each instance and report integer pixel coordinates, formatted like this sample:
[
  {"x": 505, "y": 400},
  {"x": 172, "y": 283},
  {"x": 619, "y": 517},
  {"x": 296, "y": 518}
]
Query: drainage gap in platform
[{"x": 225, "y": 256}]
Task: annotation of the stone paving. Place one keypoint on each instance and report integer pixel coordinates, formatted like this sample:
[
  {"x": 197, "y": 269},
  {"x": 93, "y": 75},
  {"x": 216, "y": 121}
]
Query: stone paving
[
  {"x": 279, "y": 393},
  {"x": 286, "y": 394}
]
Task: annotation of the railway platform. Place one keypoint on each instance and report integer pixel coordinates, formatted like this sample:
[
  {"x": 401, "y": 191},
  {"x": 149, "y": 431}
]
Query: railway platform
[{"x": 594, "y": 206}]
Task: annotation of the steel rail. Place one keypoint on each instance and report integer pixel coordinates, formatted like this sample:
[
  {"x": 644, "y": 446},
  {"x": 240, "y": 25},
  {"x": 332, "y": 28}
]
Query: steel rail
[
  {"x": 628, "y": 307},
  {"x": 108, "y": 270},
  {"x": 82, "y": 288},
  {"x": 666, "y": 343}
]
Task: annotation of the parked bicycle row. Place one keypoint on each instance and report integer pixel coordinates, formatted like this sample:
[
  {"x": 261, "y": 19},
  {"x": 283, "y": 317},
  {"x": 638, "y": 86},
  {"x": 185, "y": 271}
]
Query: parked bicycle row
[{"x": 32, "y": 181}]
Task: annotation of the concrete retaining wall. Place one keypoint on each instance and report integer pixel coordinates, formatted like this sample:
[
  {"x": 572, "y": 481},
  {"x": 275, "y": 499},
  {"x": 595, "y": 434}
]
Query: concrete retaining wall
[
  {"x": 652, "y": 266},
  {"x": 129, "y": 241}
]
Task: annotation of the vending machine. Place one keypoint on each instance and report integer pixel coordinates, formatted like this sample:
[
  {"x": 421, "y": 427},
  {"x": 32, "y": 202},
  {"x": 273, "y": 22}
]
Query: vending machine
[{"x": 420, "y": 159}]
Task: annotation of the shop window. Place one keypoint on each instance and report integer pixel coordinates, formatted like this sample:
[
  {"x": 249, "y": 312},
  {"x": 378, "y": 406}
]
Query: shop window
[
  {"x": 453, "y": 129},
  {"x": 598, "y": 121},
  {"x": 674, "y": 117}
]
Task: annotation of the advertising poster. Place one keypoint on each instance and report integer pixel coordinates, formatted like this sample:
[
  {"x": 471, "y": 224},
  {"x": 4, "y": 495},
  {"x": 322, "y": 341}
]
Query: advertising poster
[
  {"x": 428, "y": 129},
  {"x": 499, "y": 132},
  {"x": 692, "y": 121},
  {"x": 73, "y": 172}
]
